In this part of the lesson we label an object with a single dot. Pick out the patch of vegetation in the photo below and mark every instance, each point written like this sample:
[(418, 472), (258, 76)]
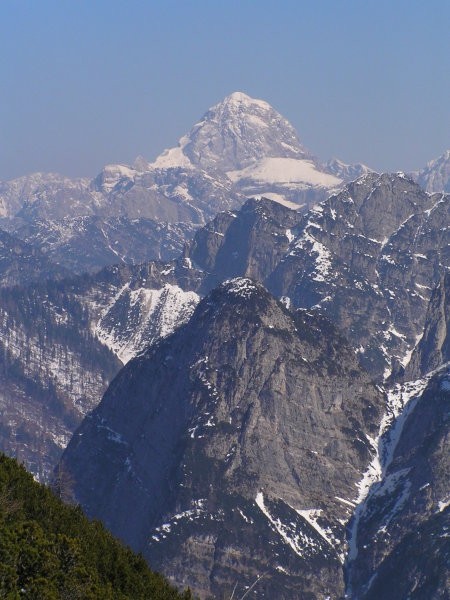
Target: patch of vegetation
[(51, 551)]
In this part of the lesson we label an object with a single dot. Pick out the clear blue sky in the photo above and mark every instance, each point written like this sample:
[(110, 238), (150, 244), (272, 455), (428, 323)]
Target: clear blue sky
[(85, 83)]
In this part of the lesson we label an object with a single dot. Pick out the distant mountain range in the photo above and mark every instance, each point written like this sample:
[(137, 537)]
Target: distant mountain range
[(241, 148), (242, 356)]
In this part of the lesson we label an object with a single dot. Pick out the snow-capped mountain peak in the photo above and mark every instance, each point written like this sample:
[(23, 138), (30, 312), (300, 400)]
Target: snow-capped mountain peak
[(245, 141), (232, 135)]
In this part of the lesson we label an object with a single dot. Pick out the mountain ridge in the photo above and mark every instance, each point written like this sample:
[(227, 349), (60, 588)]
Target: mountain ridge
[(245, 364)]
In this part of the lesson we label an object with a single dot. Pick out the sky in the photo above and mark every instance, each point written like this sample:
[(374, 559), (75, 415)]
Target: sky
[(87, 83)]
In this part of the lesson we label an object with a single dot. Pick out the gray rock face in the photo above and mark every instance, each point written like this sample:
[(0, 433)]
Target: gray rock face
[(248, 144), (433, 348), (419, 565), (355, 259), (233, 448), (368, 257), (374, 288), (238, 131), (248, 243), (401, 541), (87, 244)]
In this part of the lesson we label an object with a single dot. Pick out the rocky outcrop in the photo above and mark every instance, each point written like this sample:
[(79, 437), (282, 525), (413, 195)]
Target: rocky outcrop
[(433, 348), (250, 242), (400, 545), (368, 258), (233, 448)]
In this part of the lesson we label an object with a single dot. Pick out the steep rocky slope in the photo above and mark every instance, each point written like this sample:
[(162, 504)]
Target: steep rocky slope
[(250, 242), (433, 349), (367, 257), (233, 489), (251, 145), (419, 565), (400, 544), (246, 435), (53, 370), (62, 342)]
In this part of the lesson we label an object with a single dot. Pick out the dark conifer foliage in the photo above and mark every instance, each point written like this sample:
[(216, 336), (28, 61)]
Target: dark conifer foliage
[(51, 551)]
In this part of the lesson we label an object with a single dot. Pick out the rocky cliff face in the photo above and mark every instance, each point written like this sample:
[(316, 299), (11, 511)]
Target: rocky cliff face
[(355, 259), (234, 448), (250, 242), (433, 349), (398, 535), (236, 132), (253, 148), (368, 257), (418, 566), (400, 546)]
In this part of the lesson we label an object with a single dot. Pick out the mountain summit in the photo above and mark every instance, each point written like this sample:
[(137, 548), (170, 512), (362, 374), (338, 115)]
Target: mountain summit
[(233, 134), (241, 147), (247, 141), (210, 451)]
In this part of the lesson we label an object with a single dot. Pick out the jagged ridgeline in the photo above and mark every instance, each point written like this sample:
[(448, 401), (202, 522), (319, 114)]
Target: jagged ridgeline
[(368, 258), (50, 551)]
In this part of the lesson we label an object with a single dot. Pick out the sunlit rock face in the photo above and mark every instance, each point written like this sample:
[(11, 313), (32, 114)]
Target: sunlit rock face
[(234, 447)]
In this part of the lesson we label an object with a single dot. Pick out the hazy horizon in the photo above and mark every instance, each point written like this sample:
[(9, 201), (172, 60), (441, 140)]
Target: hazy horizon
[(87, 84)]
